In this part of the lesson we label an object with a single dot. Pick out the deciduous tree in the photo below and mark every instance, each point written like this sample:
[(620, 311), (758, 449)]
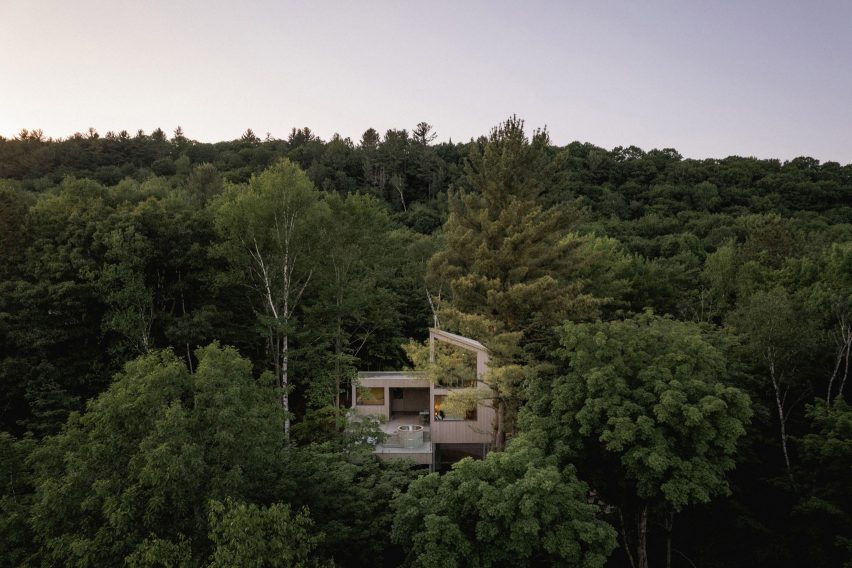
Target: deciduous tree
[(134, 473), (269, 229), (645, 408), (514, 508)]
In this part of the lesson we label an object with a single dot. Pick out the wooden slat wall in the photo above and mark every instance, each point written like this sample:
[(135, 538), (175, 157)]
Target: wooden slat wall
[(479, 431)]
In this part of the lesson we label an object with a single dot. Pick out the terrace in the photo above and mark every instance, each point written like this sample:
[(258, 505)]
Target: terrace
[(415, 443), (419, 415)]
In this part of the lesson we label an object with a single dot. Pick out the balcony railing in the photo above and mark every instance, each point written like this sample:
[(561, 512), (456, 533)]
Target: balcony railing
[(393, 440)]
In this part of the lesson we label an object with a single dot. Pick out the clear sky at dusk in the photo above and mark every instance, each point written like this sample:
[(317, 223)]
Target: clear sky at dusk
[(711, 79)]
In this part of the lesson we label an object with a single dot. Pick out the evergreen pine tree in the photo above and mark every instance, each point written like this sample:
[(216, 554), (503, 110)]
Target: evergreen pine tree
[(504, 275)]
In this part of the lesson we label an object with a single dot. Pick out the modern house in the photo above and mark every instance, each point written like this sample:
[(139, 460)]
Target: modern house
[(419, 423)]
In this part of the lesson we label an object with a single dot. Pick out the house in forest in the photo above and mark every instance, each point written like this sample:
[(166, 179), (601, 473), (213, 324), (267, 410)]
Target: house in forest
[(419, 421)]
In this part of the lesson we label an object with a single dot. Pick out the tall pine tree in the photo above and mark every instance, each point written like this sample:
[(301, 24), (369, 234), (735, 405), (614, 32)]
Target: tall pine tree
[(507, 272)]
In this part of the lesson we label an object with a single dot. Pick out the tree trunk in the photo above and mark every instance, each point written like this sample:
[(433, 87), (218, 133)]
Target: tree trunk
[(624, 540), (846, 373), (285, 384), (499, 431), (338, 347), (782, 419), (401, 198), (669, 526), (642, 538), (183, 313), (845, 342)]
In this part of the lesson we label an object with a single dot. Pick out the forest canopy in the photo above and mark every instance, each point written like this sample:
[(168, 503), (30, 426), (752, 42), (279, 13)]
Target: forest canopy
[(181, 324)]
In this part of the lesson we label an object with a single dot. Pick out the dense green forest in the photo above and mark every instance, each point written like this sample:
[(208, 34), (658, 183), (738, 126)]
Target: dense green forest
[(180, 324)]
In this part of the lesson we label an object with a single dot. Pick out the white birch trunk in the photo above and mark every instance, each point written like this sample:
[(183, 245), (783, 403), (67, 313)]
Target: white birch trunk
[(285, 384), (782, 418), (844, 341)]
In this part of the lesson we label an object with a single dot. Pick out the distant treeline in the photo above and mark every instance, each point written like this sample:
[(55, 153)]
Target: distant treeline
[(404, 168)]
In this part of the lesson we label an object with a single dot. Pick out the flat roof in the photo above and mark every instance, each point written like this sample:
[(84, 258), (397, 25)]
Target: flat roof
[(392, 375)]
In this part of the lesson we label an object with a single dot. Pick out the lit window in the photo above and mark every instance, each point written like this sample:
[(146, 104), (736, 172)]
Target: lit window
[(444, 411), (371, 396)]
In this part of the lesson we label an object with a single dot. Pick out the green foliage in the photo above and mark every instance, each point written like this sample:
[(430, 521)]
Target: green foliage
[(826, 453), (339, 429), (774, 329), (503, 268), (101, 260), (155, 551), (248, 535), (360, 285), (646, 410), (16, 538), (349, 494), (138, 467), (267, 231), (330, 264), (655, 394), (109, 274), (509, 272), (453, 366), (514, 508)]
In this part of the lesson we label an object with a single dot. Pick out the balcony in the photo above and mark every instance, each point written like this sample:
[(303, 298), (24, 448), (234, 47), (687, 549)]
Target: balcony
[(395, 444)]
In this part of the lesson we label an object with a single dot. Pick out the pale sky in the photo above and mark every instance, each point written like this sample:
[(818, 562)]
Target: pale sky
[(708, 78)]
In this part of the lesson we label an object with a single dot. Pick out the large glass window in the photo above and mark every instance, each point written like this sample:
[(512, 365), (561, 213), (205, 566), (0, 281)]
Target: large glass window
[(453, 410), (456, 367), (371, 396)]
